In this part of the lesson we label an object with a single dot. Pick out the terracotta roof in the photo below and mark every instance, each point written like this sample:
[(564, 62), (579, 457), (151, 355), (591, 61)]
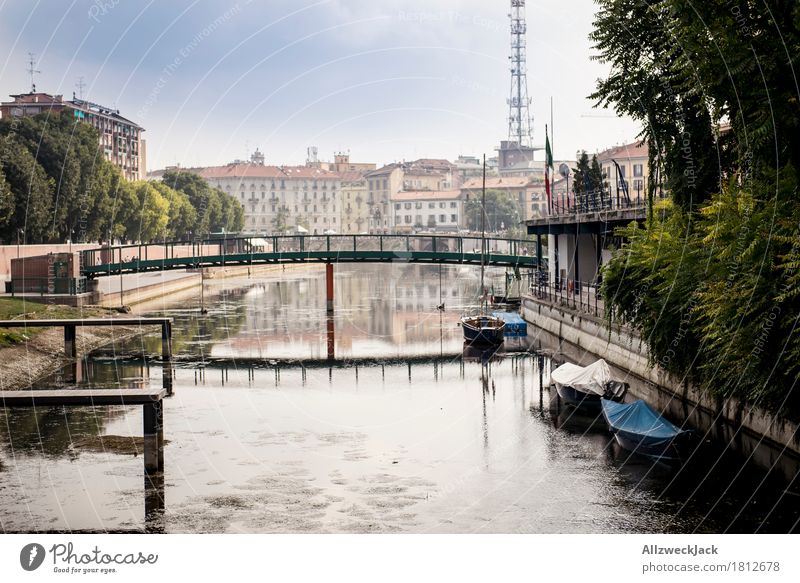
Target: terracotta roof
[(634, 150), (417, 195), (351, 176), (258, 171), (383, 171)]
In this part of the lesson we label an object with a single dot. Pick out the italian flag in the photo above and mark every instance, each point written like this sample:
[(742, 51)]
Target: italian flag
[(548, 167)]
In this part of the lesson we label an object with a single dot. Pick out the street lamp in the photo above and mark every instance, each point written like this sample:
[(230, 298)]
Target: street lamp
[(20, 232)]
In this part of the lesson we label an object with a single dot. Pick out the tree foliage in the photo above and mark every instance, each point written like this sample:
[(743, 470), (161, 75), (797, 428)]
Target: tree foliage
[(55, 184), (502, 211), (711, 281)]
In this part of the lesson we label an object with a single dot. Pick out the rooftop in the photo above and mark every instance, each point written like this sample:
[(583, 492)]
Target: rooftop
[(633, 150)]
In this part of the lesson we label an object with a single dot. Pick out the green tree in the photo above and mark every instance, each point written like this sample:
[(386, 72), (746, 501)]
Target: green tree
[(32, 192), (280, 222), (149, 221), (182, 215), (502, 211)]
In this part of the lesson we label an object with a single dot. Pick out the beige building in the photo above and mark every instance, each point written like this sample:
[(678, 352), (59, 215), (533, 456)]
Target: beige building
[(425, 174), (427, 210), (354, 207), (120, 138), (528, 194), (280, 198), (633, 168)]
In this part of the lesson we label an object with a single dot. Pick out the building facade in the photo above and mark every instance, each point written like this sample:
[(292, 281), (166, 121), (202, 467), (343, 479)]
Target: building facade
[(120, 138), (355, 210), (427, 210), (280, 199), (634, 170)]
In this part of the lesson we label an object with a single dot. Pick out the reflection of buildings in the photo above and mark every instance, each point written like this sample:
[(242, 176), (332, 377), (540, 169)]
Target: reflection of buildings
[(377, 307)]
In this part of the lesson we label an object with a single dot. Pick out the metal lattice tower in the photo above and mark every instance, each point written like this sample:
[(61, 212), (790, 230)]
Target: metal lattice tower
[(519, 118)]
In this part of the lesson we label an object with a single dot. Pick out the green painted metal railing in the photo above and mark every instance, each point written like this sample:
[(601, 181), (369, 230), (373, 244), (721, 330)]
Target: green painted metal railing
[(307, 248)]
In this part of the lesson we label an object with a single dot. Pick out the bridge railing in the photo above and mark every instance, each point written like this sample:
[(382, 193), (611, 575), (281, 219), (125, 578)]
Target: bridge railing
[(237, 248)]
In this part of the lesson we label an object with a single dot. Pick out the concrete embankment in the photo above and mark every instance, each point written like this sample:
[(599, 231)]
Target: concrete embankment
[(583, 338)]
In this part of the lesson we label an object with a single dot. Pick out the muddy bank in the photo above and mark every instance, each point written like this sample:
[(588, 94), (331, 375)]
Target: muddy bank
[(43, 354)]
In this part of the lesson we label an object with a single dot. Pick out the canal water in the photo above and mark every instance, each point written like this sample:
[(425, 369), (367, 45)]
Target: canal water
[(396, 431)]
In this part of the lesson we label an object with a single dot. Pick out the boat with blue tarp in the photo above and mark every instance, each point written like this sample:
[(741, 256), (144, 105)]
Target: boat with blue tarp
[(638, 428), (515, 326)]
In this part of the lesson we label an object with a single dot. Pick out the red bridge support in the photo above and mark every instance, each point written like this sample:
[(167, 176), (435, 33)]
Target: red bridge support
[(329, 286)]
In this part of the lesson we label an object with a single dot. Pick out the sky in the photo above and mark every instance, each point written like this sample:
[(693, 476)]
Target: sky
[(385, 81)]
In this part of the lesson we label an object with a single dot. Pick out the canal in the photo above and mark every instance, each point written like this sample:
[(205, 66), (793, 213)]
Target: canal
[(398, 432)]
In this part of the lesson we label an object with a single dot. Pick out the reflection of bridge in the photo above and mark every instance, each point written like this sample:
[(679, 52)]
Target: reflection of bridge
[(317, 249)]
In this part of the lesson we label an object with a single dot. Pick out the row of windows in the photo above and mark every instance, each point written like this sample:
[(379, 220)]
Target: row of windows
[(431, 205), (254, 220), (398, 220)]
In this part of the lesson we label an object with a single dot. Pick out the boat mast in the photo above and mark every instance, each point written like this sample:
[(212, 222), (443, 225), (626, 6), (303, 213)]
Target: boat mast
[(483, 232)]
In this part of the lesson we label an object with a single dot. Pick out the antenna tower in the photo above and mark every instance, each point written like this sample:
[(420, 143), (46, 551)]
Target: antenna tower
[(32, 70), (519, 118)]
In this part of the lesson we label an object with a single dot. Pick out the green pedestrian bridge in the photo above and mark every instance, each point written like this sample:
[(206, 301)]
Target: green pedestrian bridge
[(245, 251)]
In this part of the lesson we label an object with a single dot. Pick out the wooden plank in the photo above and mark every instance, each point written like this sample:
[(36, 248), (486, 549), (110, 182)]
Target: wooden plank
[(86, 322), (76, 397)]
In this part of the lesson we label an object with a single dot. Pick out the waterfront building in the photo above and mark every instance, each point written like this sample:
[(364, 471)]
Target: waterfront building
[(354, 207), (428, 210), (633, 172), (527, 193), (120, 139), (277, 199), (425, 174)]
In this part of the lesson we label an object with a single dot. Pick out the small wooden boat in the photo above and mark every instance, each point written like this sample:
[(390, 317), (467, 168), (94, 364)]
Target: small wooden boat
[(639, 429), (586, 385), (483, 330)]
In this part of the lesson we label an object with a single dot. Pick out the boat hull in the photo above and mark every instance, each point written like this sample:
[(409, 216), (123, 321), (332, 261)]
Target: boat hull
[(483, 330), (639, 429), (572, 396)]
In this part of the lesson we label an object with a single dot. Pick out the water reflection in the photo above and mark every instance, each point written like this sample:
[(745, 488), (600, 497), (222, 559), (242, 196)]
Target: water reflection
[(401, 431)]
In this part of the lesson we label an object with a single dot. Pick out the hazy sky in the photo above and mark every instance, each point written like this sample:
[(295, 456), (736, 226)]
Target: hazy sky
[(386, 80)]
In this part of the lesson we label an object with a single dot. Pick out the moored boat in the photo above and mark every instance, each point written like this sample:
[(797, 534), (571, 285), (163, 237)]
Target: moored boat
[(585, 385), (639, 429), (483, 329)]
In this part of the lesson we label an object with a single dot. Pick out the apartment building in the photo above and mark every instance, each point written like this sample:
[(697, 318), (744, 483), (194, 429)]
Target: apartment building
[(354, 208), (634, 170), (428, 210), (527, 193), (280, 198), (120, 138)]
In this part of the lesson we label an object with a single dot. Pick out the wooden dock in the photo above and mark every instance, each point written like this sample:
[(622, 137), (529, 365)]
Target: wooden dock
[(151, 401), (70, 331)]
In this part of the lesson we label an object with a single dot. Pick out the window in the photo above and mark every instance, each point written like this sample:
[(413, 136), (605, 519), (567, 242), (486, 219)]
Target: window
[(431, 205), (453, 218), (408, 219), (637, 186), (385, 185), (453, 205), (442, 218), (273, 208), (442, 205), (397, 219), (622, 171), (397, 206), (637, 170), (408, 206), (418, 205)]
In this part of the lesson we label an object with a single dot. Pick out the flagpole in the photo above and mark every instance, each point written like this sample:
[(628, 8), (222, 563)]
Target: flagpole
[(552, 149)]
